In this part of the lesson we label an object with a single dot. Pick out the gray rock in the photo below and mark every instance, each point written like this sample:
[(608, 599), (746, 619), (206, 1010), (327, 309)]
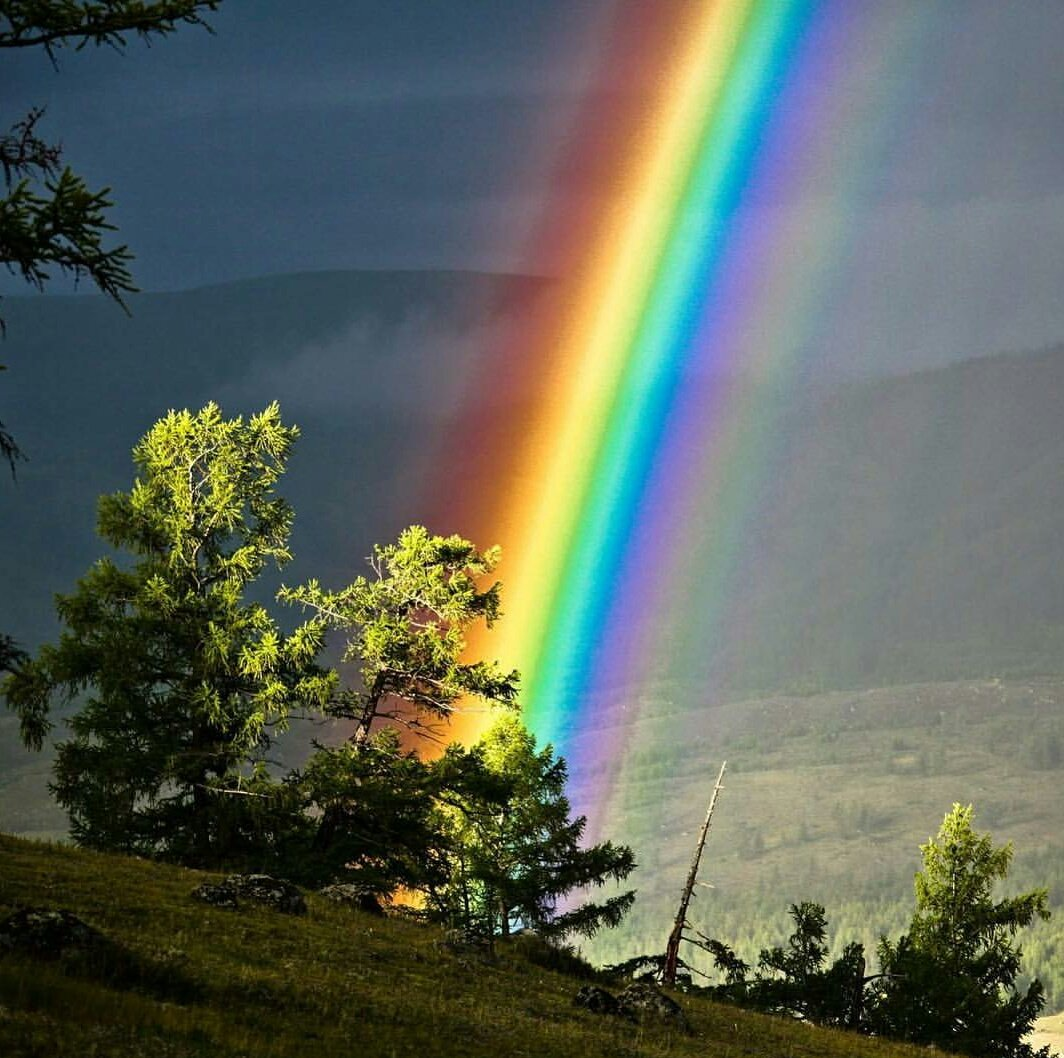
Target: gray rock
[(357, 896), (597, 1000), (261, 888), (46, 933), (275, 892), (643, 1001), (220, 895)]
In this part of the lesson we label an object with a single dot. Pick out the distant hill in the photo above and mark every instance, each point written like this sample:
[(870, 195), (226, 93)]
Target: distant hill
[(911, 531), (910, 528), (369, 364)]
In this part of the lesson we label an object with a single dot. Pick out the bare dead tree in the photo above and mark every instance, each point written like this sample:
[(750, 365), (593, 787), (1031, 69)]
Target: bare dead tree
[(672, 948)]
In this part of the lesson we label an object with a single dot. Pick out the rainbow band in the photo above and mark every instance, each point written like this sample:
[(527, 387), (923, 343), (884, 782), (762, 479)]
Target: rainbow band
[(620, 355), (628, 449)]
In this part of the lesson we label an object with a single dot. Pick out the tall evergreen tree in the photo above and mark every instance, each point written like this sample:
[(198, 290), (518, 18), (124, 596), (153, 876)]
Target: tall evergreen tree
[(186, 681), (951, 979)]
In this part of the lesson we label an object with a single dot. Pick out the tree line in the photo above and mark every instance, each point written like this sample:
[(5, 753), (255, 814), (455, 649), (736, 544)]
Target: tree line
[(183, 685), (951, 980)]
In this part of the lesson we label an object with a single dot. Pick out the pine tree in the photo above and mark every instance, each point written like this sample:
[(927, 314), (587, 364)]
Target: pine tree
[(951, 980), (186, 682), (406, 627)]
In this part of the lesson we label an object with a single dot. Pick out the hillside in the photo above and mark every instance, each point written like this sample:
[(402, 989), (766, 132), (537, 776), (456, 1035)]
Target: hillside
[(218, 983), (828, 797)]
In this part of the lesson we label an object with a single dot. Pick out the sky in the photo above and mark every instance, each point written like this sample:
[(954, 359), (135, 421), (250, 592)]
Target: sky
[(415, 134), (352, 135)]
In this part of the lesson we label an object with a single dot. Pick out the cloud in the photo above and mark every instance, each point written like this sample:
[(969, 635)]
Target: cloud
[(424, 367)]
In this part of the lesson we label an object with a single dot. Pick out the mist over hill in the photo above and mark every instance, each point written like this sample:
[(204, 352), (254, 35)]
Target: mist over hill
[(369, 364), (911, 528), (911, 531)]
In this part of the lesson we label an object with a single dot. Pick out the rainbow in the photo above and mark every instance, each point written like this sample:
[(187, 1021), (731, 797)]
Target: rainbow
[(623, 482)]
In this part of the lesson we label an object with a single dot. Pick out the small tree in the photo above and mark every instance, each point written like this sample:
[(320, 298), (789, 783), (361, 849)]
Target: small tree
[(951, 980), (516, 862), (406, 628), (186, 681), (793, 979)]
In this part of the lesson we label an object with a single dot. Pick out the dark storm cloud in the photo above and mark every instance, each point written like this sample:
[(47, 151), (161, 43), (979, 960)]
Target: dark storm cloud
[(354, 134)]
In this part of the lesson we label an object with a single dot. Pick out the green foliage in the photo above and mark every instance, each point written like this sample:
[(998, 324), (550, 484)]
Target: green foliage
[(406, 629), (513, 864), (951, 979), (378, 807), (793, 979), (187, 683), (50, 219)]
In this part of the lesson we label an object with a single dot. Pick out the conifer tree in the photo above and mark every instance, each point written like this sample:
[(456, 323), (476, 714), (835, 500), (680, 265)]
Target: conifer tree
[(951, 979), (185, 682), (406, 628)]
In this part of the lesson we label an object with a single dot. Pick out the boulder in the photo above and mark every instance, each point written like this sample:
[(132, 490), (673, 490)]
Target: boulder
[(643, 1001), (46, 933), (597, 1000), (357, 896), (263, 889), (465, 942), (220, 895)]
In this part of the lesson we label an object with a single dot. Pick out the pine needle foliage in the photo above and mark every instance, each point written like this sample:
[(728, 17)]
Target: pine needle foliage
[(516, 863), (186, 683), (406, 628), (951, 979)]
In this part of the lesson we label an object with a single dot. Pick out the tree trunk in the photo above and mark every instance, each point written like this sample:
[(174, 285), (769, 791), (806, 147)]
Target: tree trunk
[(672, 948)]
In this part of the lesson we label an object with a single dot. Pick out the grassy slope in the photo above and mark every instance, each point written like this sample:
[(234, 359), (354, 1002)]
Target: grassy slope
[(335, 982)]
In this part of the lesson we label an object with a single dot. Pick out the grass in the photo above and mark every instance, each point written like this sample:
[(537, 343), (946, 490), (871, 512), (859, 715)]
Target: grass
[(335, 982), (827, 798)]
